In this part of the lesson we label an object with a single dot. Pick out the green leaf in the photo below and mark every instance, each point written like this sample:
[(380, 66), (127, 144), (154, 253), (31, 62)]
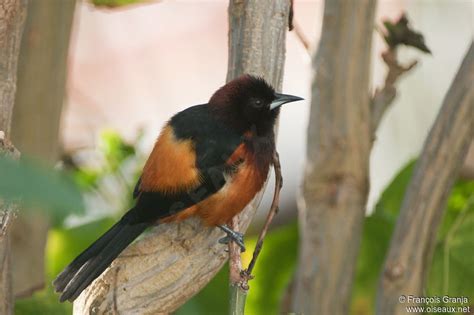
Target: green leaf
[(451, 268), (376, 236), (63, 246), (274, 270), (213, 299), (453, 262), (38, 187), (115, 149), (269, 284), (115, 3)]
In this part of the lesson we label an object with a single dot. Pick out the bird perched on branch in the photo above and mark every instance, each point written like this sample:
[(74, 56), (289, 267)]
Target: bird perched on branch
[(209, 161)]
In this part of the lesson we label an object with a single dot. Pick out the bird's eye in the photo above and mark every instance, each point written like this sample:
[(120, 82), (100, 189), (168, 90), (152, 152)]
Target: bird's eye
[(258, 103)]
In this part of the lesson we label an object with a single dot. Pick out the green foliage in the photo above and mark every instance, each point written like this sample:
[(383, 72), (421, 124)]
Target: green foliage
[(213, 299), (111, 181), (64, 244), (115, 150), (452, 261), (273, 271), (114, 3), (38, 187), (376, 235), (43, 302), (452, 269)]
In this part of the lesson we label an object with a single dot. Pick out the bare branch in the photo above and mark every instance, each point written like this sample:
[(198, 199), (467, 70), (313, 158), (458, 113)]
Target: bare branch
[(273, 210), (35, 126), (12, 17), (238, 286), (301, 36), (413, 241), (398, 33), (384, 97), (335, 185)]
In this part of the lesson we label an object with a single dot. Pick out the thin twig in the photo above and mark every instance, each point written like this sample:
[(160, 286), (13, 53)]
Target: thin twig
[(396, 34), (291, 15), (273, 210), (383, 97), (302, 37), (239, 278), (238, 285)]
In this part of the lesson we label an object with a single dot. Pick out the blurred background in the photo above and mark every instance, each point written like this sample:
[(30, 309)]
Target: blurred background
[(129, 68)]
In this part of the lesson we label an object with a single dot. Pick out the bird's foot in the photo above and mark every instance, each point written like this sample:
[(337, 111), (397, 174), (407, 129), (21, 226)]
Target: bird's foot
[(232, 235)]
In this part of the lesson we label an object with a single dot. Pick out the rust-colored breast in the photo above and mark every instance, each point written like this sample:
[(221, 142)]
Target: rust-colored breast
[(171, 166), (241, 187), (237, 193)]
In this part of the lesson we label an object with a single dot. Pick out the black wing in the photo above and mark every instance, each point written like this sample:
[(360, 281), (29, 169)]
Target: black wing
[(214, 143)]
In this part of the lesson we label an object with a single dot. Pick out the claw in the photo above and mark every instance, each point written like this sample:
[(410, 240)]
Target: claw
[(232, 235)]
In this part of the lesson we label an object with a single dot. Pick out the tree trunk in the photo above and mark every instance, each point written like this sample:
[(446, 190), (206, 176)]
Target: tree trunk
[(336, 181), (414, 238), (36, 118), (163, 270), (12, 17)]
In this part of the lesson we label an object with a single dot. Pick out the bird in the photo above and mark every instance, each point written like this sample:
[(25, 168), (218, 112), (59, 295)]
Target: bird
[(209, 161)]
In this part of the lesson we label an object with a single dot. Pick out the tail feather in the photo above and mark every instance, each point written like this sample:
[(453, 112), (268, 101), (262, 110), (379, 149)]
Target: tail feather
[(95, 259), (68, 273)]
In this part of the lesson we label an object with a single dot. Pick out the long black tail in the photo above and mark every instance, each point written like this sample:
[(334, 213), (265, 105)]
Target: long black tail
[(96, 258)]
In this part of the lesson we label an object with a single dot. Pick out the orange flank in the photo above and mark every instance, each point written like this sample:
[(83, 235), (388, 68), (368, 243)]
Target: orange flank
[(236, 194), (171, 166), (240, 188)]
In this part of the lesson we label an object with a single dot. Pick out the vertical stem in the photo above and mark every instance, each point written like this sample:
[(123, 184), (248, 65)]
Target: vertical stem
[(238, 289), (12, 17), (238, 297), (257, 34), (336, 179)]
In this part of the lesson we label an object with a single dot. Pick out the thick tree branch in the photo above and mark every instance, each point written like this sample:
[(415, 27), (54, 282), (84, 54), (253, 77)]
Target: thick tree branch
[(413, 241), (163, 270), (35, 127), (336, 179), (342, 122), (12, 17)]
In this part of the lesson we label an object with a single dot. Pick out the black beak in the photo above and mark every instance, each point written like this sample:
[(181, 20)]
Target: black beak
[(281, 99)]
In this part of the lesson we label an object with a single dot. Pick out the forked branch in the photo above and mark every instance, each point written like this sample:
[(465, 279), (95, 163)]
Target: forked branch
[(395, 35)]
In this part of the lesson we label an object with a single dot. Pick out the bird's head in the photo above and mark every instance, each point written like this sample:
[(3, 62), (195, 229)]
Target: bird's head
[(249, 102)]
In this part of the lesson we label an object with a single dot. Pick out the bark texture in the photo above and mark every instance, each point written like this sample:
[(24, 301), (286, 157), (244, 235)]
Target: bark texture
[(163, 270), (414, 239), (36, 118), (336, 181), (12, 16)]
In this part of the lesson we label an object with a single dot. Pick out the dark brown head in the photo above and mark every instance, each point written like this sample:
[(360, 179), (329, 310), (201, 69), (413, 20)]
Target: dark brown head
[(249, 103)]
